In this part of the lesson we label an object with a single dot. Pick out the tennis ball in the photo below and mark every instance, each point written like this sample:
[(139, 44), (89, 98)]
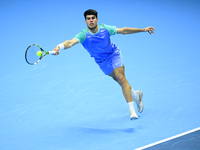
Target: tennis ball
[(39, 53)]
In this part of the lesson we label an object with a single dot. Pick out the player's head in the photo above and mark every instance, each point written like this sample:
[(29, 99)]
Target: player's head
[(91, 19), (90, 12)]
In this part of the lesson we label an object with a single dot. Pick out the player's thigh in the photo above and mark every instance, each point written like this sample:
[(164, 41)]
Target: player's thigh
[(117, 73)]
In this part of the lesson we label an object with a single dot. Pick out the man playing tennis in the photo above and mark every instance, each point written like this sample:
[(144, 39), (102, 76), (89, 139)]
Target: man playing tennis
[(96, 40)]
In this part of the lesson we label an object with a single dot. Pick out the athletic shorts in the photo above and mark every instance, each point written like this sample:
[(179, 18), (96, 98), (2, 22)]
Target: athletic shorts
[(112, 62)]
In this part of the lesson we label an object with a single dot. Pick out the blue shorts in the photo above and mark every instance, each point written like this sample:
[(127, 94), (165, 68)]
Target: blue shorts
[(112, 62)]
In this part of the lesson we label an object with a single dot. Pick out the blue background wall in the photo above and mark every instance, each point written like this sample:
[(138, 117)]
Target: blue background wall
[(66, 103)]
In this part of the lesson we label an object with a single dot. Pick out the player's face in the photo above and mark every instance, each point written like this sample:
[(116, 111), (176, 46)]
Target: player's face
[(91, 22)]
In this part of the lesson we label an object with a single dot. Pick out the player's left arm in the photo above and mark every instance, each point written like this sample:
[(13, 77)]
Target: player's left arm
[(127, 30)]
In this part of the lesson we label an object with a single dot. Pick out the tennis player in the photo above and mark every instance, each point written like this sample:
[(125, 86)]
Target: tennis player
[(96, 40)]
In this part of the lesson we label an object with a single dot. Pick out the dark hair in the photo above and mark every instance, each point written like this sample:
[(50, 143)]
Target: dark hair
[(90, 12)]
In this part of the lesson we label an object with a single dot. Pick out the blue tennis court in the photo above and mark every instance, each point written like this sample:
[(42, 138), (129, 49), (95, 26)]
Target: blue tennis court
[(65, 102)]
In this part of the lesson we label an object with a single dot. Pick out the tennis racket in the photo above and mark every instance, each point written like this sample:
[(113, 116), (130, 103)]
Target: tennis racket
[(34, 53)]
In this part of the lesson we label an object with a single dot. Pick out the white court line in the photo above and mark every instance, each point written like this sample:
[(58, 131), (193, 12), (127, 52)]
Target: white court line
[(173, 137)]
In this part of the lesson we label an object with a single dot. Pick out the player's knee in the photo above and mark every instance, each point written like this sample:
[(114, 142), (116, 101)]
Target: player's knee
[(122, 80)]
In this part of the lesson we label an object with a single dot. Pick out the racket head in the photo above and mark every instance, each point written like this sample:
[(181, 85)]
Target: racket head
[(31, 56)]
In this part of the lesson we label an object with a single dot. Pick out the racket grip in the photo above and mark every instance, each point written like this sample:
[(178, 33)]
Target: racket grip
[(52, 52)]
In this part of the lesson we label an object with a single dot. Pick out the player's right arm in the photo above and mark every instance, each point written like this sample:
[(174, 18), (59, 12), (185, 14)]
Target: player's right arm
[(67, 44)]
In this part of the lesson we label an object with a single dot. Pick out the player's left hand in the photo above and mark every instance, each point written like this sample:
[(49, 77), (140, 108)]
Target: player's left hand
[(149, 29)]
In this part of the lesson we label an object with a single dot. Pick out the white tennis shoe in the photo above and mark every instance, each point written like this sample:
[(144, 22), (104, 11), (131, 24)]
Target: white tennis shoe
[(133, 115), (138, 100)]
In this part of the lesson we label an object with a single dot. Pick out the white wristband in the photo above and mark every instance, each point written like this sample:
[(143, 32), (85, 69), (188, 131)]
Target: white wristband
[(61, 46)]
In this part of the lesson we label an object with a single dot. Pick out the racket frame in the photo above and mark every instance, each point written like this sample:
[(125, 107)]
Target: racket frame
[(43, 51)]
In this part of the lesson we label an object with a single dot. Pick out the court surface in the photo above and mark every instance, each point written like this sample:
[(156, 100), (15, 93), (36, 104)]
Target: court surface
[(66, 103)]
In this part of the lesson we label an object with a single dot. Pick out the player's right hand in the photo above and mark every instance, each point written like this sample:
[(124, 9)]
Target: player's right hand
[(56, 49)]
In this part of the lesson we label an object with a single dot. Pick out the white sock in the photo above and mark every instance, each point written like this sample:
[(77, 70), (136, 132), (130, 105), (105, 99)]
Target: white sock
[(131, 106)]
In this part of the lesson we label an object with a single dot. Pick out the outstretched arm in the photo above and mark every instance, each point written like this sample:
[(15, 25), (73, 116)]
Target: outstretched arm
[(65, 45), (127, 30)]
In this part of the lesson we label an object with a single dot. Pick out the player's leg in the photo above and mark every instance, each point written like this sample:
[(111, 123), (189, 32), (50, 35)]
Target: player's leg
[(119, 76), (115, 65)]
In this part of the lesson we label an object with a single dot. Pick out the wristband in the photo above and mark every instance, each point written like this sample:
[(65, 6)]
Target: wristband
[(61, 46)]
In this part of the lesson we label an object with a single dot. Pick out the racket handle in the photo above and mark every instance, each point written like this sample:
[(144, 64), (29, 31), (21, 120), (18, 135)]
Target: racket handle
[(52, 52)]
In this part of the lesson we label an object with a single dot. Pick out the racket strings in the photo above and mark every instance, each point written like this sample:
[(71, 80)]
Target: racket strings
[(31, 54)]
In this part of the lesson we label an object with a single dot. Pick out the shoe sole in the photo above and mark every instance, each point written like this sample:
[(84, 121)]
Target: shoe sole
[(134, 118)]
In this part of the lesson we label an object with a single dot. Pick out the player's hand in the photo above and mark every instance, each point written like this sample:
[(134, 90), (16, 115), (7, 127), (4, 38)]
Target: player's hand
[(56, 49), (149, 29)]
